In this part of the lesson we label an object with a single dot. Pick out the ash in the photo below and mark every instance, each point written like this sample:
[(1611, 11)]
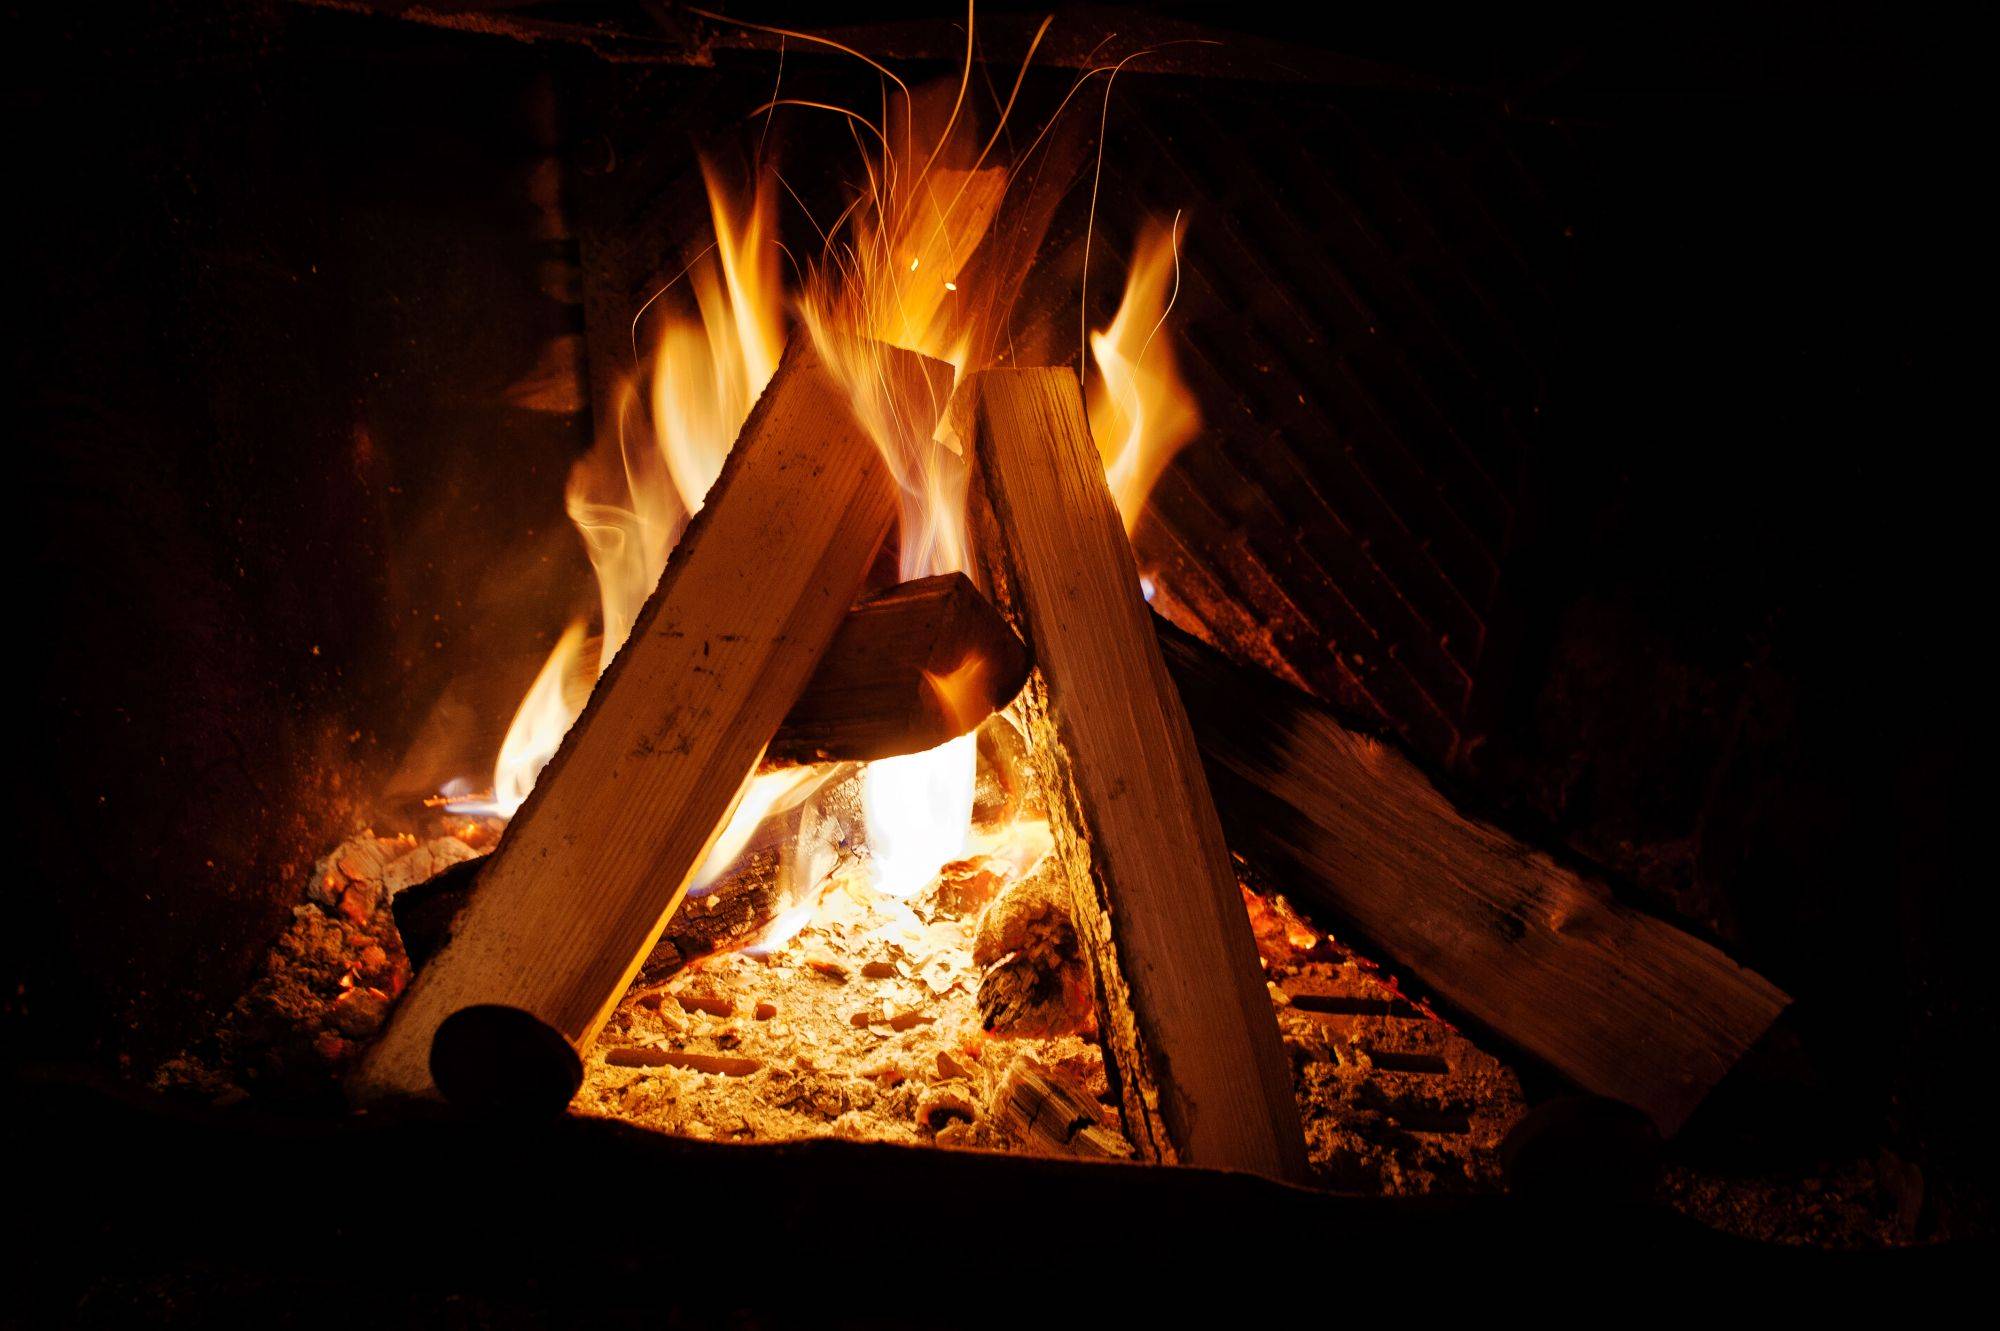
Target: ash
[(960, 1017), (867, 1024)]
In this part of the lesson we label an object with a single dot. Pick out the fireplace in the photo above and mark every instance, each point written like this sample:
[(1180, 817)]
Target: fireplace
[(1124, 618)]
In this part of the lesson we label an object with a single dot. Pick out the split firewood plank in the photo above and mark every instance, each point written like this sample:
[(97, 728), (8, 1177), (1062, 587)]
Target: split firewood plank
[(591, 867), (1622, 1003), (1182, 1008), (912, 666)]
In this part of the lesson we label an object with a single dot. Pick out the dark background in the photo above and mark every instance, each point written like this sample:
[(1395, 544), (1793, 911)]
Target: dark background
[(1635, 349)]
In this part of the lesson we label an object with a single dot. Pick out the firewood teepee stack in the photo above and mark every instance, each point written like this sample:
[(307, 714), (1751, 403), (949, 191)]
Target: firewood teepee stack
[(756, 594), (752, 649)]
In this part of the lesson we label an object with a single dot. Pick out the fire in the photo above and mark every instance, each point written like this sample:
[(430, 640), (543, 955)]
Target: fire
[(894, 271), (958, 689), (1141, 413), (632, 495), (539, 724), (919, 812)]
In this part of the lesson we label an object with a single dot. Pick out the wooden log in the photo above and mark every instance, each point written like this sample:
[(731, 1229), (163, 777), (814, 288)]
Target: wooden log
[(913, 666), (600, 855), (1182, 1007), (1622, 1003), (1040, 1109)]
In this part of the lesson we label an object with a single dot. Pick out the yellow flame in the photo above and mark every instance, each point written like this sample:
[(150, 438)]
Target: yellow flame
[(539, 724), (961, 691), (894, 280), (893, 274), (919, 813), (633, 494), (1141, 413), (763, 794)]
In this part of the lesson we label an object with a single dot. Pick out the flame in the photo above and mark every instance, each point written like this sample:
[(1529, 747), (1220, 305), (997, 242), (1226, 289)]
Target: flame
[(962, 691), (539, 724), (632, 495), (763, 794), (1141, 412), (919, 813), (893, 280), (894, 272)]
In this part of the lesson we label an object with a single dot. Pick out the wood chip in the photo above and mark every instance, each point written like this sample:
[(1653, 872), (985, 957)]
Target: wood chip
[(723, 1064), (1043, 1109), (713, 1004)]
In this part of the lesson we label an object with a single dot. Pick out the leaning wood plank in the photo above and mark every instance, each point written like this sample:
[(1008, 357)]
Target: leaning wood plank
[(598, 858), (911, 667), (1620, 1002), (1181, 1003)]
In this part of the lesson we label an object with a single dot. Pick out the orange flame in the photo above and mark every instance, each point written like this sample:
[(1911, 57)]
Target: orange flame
[(892, 273), (961, 691), (1141, 413), (633, 494)]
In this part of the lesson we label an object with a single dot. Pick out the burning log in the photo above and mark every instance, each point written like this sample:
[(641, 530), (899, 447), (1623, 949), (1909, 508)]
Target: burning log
[(911, 667), (1182, 1009), (875, 693), (601, 854), (736, 906), (1623, 1004), (425, 912)]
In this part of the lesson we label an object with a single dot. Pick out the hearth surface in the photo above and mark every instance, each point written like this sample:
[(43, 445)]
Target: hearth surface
[(865, 1025), (1396, 1102)]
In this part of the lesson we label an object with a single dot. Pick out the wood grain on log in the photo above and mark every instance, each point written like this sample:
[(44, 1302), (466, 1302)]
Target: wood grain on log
[(1622, 1003), (1039, 1108), (911, 667), (600, 855), (1182, 1006)]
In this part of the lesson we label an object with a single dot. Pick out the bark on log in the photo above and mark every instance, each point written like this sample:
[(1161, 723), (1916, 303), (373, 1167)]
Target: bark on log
[(1622, 1003), (600, 855), (1182, 1007)]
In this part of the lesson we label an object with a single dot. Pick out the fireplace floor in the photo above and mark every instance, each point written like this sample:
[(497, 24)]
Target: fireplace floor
[(865, 1024), (1395, 1101)]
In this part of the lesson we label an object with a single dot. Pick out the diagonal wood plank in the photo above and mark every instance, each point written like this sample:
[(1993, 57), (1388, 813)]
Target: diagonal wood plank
[(1186, 1020)]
